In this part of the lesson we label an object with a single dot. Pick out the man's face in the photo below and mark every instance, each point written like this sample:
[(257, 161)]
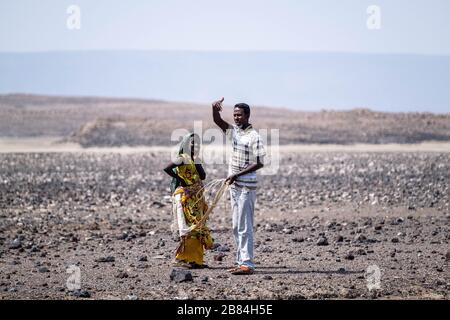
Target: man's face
[(240, 118)]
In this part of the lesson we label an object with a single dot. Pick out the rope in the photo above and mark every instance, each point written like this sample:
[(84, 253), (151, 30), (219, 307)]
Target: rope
[(220, 192)]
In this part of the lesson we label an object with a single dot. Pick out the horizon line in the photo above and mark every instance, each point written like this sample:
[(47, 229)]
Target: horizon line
[(206, 104), (222, 51)]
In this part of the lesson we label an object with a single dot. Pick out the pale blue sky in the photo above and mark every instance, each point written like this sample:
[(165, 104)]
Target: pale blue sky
[(408, 26)]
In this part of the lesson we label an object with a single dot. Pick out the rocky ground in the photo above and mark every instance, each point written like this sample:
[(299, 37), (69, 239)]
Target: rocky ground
[(320, 224)]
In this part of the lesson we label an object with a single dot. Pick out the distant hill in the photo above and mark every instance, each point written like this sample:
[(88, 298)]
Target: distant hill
[(304, 81), (93, 121)]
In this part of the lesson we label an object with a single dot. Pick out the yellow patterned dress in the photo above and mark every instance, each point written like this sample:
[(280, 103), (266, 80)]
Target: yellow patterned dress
[(192, 245)]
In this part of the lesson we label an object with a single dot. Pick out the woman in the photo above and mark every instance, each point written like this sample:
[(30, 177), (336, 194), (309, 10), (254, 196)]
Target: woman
[(189, 203)]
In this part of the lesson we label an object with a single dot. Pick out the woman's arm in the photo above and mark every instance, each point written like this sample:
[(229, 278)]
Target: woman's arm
[(201, 171), (169, 170)]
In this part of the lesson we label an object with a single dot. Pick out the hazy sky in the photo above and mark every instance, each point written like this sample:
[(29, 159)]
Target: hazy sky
[(407, 26)]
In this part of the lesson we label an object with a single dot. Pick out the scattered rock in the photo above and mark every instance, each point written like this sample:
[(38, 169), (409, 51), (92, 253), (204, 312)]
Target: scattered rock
[(342, 270), (349, 256), (180, 275), (219, 256), (157, 204), (222, 248), (15, 244), (161, 243), (360, 238), (43, 270), (267, 249), (122, 275), (81, 294), (106, 259), (322, 241)]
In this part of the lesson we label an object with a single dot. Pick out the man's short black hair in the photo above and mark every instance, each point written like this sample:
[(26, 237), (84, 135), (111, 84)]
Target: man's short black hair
[(244, 107)]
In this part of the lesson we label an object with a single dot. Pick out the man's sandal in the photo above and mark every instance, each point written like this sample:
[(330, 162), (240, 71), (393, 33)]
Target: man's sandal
[(243, 270)]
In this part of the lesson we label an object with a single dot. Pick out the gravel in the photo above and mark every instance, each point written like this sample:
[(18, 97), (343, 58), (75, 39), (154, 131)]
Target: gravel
[(97, 211)]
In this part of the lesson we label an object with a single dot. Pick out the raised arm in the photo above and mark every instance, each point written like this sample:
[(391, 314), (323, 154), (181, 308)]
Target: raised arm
[(216, 108)]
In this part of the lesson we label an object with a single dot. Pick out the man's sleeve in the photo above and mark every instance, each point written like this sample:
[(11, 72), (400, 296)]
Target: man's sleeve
[(258, 147)]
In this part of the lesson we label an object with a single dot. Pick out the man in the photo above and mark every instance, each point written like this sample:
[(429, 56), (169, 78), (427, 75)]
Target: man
[(247, 157)]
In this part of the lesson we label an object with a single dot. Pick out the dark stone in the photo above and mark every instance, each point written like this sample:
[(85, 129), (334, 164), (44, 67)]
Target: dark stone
[(342, 270), (81, 294), (349, 256), (43, 270), (15, 244), (222, 248), (106, 259), (322, 241), (123, 236), (219, 256), (122, 275), (157, 204), (360, 238), (180, 275)]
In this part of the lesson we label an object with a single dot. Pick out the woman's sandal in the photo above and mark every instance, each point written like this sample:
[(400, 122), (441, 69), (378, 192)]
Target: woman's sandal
[(182, 264), (198, 266)]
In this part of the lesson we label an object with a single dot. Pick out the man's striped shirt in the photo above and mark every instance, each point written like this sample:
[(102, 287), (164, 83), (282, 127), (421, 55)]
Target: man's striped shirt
[(247, 145)]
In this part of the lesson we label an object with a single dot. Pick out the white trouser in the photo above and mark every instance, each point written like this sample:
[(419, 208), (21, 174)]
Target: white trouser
[(243, 205)]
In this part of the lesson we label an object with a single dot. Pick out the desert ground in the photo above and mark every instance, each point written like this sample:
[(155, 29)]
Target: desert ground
[(330, 215)]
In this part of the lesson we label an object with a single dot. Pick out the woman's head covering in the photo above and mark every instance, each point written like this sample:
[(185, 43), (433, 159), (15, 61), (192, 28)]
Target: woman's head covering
[(184, 148)]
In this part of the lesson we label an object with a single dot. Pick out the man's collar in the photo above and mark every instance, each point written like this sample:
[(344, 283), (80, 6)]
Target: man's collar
[(247, 128)]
